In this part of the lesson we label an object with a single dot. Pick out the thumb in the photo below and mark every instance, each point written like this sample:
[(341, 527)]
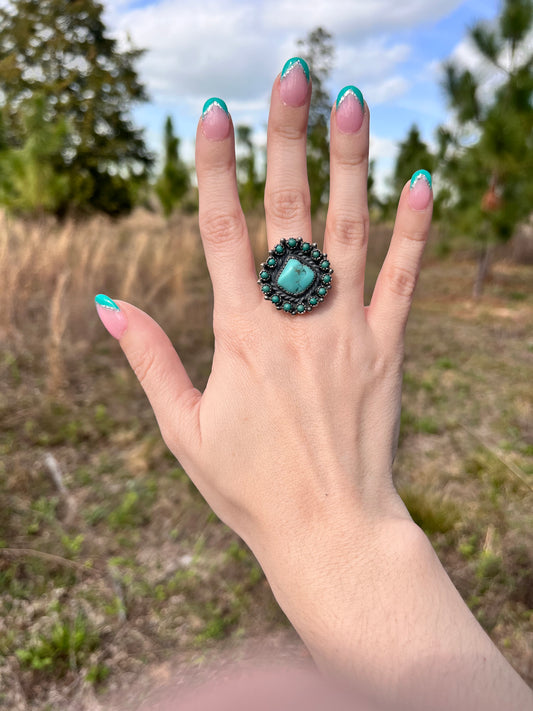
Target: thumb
[(157, 366)]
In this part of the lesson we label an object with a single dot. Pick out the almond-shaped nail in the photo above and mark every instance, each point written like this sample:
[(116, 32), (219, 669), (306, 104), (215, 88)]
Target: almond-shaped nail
[(420, 190), (110, 315), (350, 109), (294, 82), (215, 120)]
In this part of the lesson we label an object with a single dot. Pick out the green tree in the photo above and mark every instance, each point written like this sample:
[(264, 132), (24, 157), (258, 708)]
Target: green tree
[(251, 187), (488, 157), (318, 51), (59, 51), (413, 154), (173, 183)]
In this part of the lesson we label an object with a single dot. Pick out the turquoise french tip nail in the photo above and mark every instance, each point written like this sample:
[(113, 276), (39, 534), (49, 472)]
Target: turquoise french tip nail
[(421, 174), (350, 90), (106, 302), (289, 64), (215, 101)]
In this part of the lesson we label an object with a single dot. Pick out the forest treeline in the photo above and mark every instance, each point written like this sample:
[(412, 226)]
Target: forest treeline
[(69, 146)]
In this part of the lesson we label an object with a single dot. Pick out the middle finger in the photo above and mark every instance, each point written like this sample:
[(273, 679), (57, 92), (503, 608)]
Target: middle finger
[(287, 200)]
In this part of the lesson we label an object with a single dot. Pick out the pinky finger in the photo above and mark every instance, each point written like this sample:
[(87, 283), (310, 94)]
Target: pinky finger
[(393, 293)]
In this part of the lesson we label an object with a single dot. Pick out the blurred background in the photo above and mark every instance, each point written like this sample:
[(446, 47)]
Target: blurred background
[(112, 568)]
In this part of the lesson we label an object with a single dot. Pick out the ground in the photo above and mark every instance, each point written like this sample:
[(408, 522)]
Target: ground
[(114, 570)]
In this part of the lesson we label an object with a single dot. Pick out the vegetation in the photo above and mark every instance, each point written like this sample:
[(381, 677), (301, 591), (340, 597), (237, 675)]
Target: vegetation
[(173, 183), (487, 159), (60, 71)]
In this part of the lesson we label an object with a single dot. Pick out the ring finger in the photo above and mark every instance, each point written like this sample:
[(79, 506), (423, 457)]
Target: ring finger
[(287, 200)]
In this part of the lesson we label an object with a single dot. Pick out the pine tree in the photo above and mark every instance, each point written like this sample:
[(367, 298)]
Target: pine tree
[(173, 182), (251, 187), (59, 51), (413, 154), (318, 51), (488, 158)]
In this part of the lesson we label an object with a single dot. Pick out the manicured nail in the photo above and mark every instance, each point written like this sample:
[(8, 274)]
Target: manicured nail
[(350, 109), (420, 190), (215, 120), (110, 315), (294, 82)]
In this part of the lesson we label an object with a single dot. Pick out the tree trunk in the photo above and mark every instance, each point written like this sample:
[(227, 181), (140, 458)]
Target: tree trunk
[(482, 271)]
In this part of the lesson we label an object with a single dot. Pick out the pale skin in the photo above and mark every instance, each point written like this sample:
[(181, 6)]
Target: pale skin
[(293, 440)]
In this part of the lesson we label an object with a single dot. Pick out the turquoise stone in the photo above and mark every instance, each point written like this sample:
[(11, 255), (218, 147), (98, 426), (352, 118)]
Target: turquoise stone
[(265, 289), (306, 247), (322, 291), (300, 308), (326, 279), (286, 306), (325, 264), (279, 249), (271, 262), (265, 275), (295, 277), (292, 242), (275, 299), (315, 254), (313, 301)]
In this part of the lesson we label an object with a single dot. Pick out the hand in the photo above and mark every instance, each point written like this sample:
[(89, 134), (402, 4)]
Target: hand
[(298, 410)]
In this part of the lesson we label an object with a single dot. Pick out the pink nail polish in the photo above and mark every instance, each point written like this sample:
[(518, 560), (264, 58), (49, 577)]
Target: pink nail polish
[(294, 82), (349, 110), (215, 120), (111, 315), (420, 190)]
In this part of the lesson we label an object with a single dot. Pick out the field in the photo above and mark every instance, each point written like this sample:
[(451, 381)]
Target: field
[(111, 565)]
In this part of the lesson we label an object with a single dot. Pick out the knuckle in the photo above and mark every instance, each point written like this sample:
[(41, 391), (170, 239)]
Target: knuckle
[(416, 235), (219, 228), (352, 160), (349, 231), (287, 204), (401, 280), (288, 132), (143, 364)]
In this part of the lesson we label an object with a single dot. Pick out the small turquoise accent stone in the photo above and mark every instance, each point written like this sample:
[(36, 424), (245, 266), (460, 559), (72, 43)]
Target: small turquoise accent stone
[(295, 277), (286, 306), (300, 308), (275, 299), (271, 262), (306, 247), (315, 254), (264, 275), (279, 248), (322, 291), (326, 279), (292, 242), (265, 288), (325, 264), (313, 301)]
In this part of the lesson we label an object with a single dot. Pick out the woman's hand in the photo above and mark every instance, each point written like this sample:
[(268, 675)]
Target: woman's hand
[(300, 413)]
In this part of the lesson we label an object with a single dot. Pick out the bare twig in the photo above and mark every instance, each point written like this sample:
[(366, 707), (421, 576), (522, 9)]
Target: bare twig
[(510, 466), (52, 465)]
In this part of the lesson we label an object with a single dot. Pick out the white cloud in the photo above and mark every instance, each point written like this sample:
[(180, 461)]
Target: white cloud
[(387, 90)]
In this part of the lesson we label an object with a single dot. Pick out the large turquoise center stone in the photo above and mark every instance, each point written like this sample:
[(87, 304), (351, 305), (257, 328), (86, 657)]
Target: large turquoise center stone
[(295, 277)]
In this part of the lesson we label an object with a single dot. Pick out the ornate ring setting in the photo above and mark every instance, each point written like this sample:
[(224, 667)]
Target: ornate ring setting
[(296, 276)]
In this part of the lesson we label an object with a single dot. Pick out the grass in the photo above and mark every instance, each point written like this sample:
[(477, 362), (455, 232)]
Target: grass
[(125, 566)]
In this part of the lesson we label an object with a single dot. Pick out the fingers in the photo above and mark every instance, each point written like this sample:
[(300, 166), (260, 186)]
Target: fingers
[(222, 225), (158, 368), (393, 293), (347, 221), (287, 200)]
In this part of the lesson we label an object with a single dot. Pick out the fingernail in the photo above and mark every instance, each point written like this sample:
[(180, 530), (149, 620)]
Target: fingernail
[(420, 190), (350, 109), (294, 82), (110, 315), (215, 120)]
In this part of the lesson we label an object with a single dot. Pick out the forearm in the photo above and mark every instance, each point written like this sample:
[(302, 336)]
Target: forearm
[(375, 606)]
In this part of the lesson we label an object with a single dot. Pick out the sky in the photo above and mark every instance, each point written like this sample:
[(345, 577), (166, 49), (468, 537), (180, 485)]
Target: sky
[(393, 50)]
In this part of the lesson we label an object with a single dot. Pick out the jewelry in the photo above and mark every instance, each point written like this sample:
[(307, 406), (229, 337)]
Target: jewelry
[(296, 277)]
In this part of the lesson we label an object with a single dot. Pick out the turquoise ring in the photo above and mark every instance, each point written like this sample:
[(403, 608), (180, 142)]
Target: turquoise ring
[(296, 276)]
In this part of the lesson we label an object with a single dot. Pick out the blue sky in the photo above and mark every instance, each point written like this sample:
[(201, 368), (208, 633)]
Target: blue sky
[(391, 49)]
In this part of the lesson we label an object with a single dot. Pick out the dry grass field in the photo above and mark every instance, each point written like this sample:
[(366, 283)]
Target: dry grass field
[(111, 565)]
